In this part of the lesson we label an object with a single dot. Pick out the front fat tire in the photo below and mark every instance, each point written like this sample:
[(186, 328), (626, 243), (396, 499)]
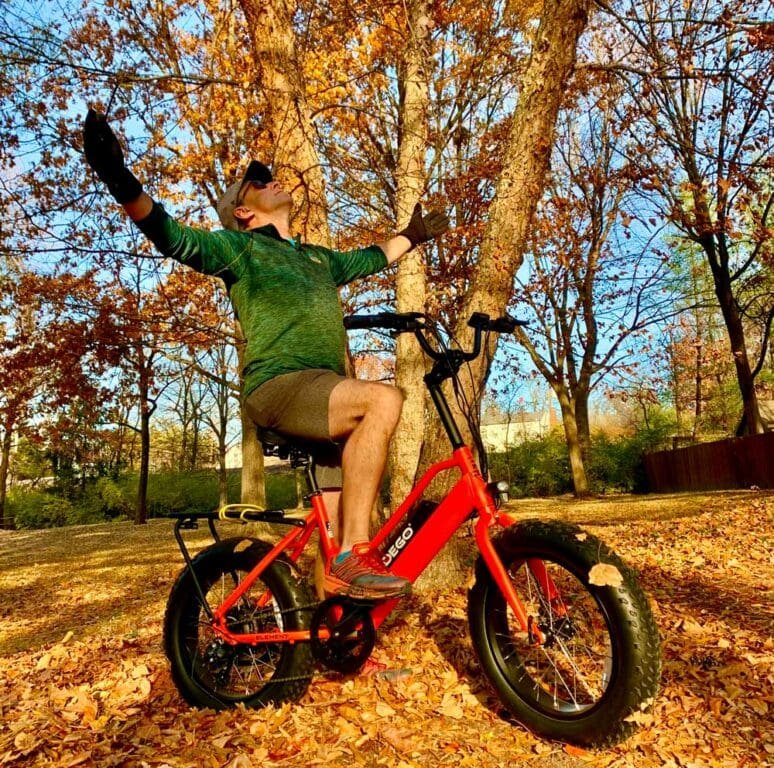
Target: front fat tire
[(271, 674), (632, 674)]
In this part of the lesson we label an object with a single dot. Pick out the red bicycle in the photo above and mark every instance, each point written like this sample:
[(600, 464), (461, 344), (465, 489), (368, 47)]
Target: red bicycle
[(570, 658)]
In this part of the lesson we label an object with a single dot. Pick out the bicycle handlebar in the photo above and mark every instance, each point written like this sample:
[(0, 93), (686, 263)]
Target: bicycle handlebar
[(413, 322)]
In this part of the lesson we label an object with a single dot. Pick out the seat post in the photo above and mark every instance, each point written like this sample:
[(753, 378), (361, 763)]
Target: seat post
[(310, 478)]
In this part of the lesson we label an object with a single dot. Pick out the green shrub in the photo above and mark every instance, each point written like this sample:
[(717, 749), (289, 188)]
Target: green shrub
[(108, 499), (198, 491), (538, 467), (609, 464), (38, 509), (281, 490), (541, 467), (619, 464), (105, 499)]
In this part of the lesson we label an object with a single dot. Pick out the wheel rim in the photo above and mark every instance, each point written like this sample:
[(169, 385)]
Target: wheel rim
[(235, 672), (572, 669)]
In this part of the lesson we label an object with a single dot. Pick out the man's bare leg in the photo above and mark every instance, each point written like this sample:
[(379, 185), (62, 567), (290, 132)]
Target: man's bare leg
[(332, 501), (365, 415)]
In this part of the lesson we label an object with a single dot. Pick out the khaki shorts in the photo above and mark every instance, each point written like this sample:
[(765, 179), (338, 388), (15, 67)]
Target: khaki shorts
[(296, 405)]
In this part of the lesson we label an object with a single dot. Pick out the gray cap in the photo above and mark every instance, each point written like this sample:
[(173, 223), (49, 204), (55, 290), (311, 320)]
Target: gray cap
[(256, 171)]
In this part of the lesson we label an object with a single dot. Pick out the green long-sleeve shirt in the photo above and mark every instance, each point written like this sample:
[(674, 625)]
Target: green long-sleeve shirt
[(284, 294)]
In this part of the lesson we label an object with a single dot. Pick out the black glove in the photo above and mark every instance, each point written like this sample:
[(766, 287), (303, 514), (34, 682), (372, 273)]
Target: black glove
[(423, 228), (104, 155)]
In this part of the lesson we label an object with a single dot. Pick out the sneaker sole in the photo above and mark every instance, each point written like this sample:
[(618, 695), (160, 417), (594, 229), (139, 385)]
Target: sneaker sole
[(337, 587)]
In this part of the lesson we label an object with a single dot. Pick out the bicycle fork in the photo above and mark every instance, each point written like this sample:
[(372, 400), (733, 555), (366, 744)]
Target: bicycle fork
[(503, 580)]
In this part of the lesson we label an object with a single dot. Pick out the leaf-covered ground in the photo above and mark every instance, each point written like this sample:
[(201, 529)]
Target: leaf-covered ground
[(83, 680)]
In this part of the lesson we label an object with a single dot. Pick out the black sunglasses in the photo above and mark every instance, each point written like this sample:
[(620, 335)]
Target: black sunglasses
[(249, 183)]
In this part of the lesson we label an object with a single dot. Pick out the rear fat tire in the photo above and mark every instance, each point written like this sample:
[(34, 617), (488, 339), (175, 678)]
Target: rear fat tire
[(596, 716), (244, 675)]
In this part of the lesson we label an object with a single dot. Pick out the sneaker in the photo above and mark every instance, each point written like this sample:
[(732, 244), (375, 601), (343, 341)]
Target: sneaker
[(359, 573)]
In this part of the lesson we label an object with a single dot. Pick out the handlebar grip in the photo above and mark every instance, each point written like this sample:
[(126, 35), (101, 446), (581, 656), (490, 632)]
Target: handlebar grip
[(504, 324), (479, 320), (397, 321), (356, 322)]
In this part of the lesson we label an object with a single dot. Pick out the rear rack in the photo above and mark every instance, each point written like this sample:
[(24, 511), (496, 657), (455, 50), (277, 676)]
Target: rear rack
[(238, 513), (244, 513)]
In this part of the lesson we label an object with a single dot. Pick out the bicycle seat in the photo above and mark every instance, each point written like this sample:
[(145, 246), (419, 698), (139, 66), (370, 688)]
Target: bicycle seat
[(284, 446)]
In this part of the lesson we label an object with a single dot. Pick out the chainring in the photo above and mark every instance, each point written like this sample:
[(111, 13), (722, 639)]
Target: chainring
[(342, 633)]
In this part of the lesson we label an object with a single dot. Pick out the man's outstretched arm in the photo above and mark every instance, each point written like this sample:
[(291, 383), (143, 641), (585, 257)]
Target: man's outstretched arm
[(199, 249)]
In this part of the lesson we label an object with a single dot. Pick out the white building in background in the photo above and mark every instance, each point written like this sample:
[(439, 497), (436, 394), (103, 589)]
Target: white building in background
[(500, 432), (234, 458)]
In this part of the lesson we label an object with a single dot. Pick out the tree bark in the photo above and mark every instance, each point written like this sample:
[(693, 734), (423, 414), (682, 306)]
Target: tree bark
[(253, 490), (280, 78), (753, 425), (6, 517), (517, 194), (574, 441), (295, 161), (411, 283), (141, 508), (582, 424)]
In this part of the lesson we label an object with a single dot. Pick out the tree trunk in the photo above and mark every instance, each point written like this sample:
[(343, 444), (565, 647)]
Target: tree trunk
[(518, 191), (753, 425), (6, 516), (697, 394), (222, 473), (253, 487), (295, 157), (583, 426), (141, 509), (253, 490), (295, 160), (574, 443), (411, 283), (519, 187), (716, 250), (195, 426), (182, 461)]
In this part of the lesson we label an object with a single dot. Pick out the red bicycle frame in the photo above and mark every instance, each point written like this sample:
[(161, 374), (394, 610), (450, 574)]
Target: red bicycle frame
[(468, 495)]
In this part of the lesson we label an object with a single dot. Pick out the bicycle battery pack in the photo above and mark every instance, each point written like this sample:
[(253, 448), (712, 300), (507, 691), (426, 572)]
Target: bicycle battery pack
[(414, 519)]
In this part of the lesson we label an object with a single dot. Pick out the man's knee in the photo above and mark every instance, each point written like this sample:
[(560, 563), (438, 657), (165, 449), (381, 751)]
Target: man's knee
[(353, 400), (389, 402)]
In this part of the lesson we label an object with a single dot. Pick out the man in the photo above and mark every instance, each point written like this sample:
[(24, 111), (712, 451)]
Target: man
[(285, 295)]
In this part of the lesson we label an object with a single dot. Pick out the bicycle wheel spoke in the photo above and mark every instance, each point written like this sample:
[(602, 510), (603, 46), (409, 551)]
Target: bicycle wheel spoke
[(570, 668), (237, 670)]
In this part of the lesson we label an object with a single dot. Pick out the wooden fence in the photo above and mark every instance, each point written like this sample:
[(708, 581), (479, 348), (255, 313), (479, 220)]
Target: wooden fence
[(739, 462)]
